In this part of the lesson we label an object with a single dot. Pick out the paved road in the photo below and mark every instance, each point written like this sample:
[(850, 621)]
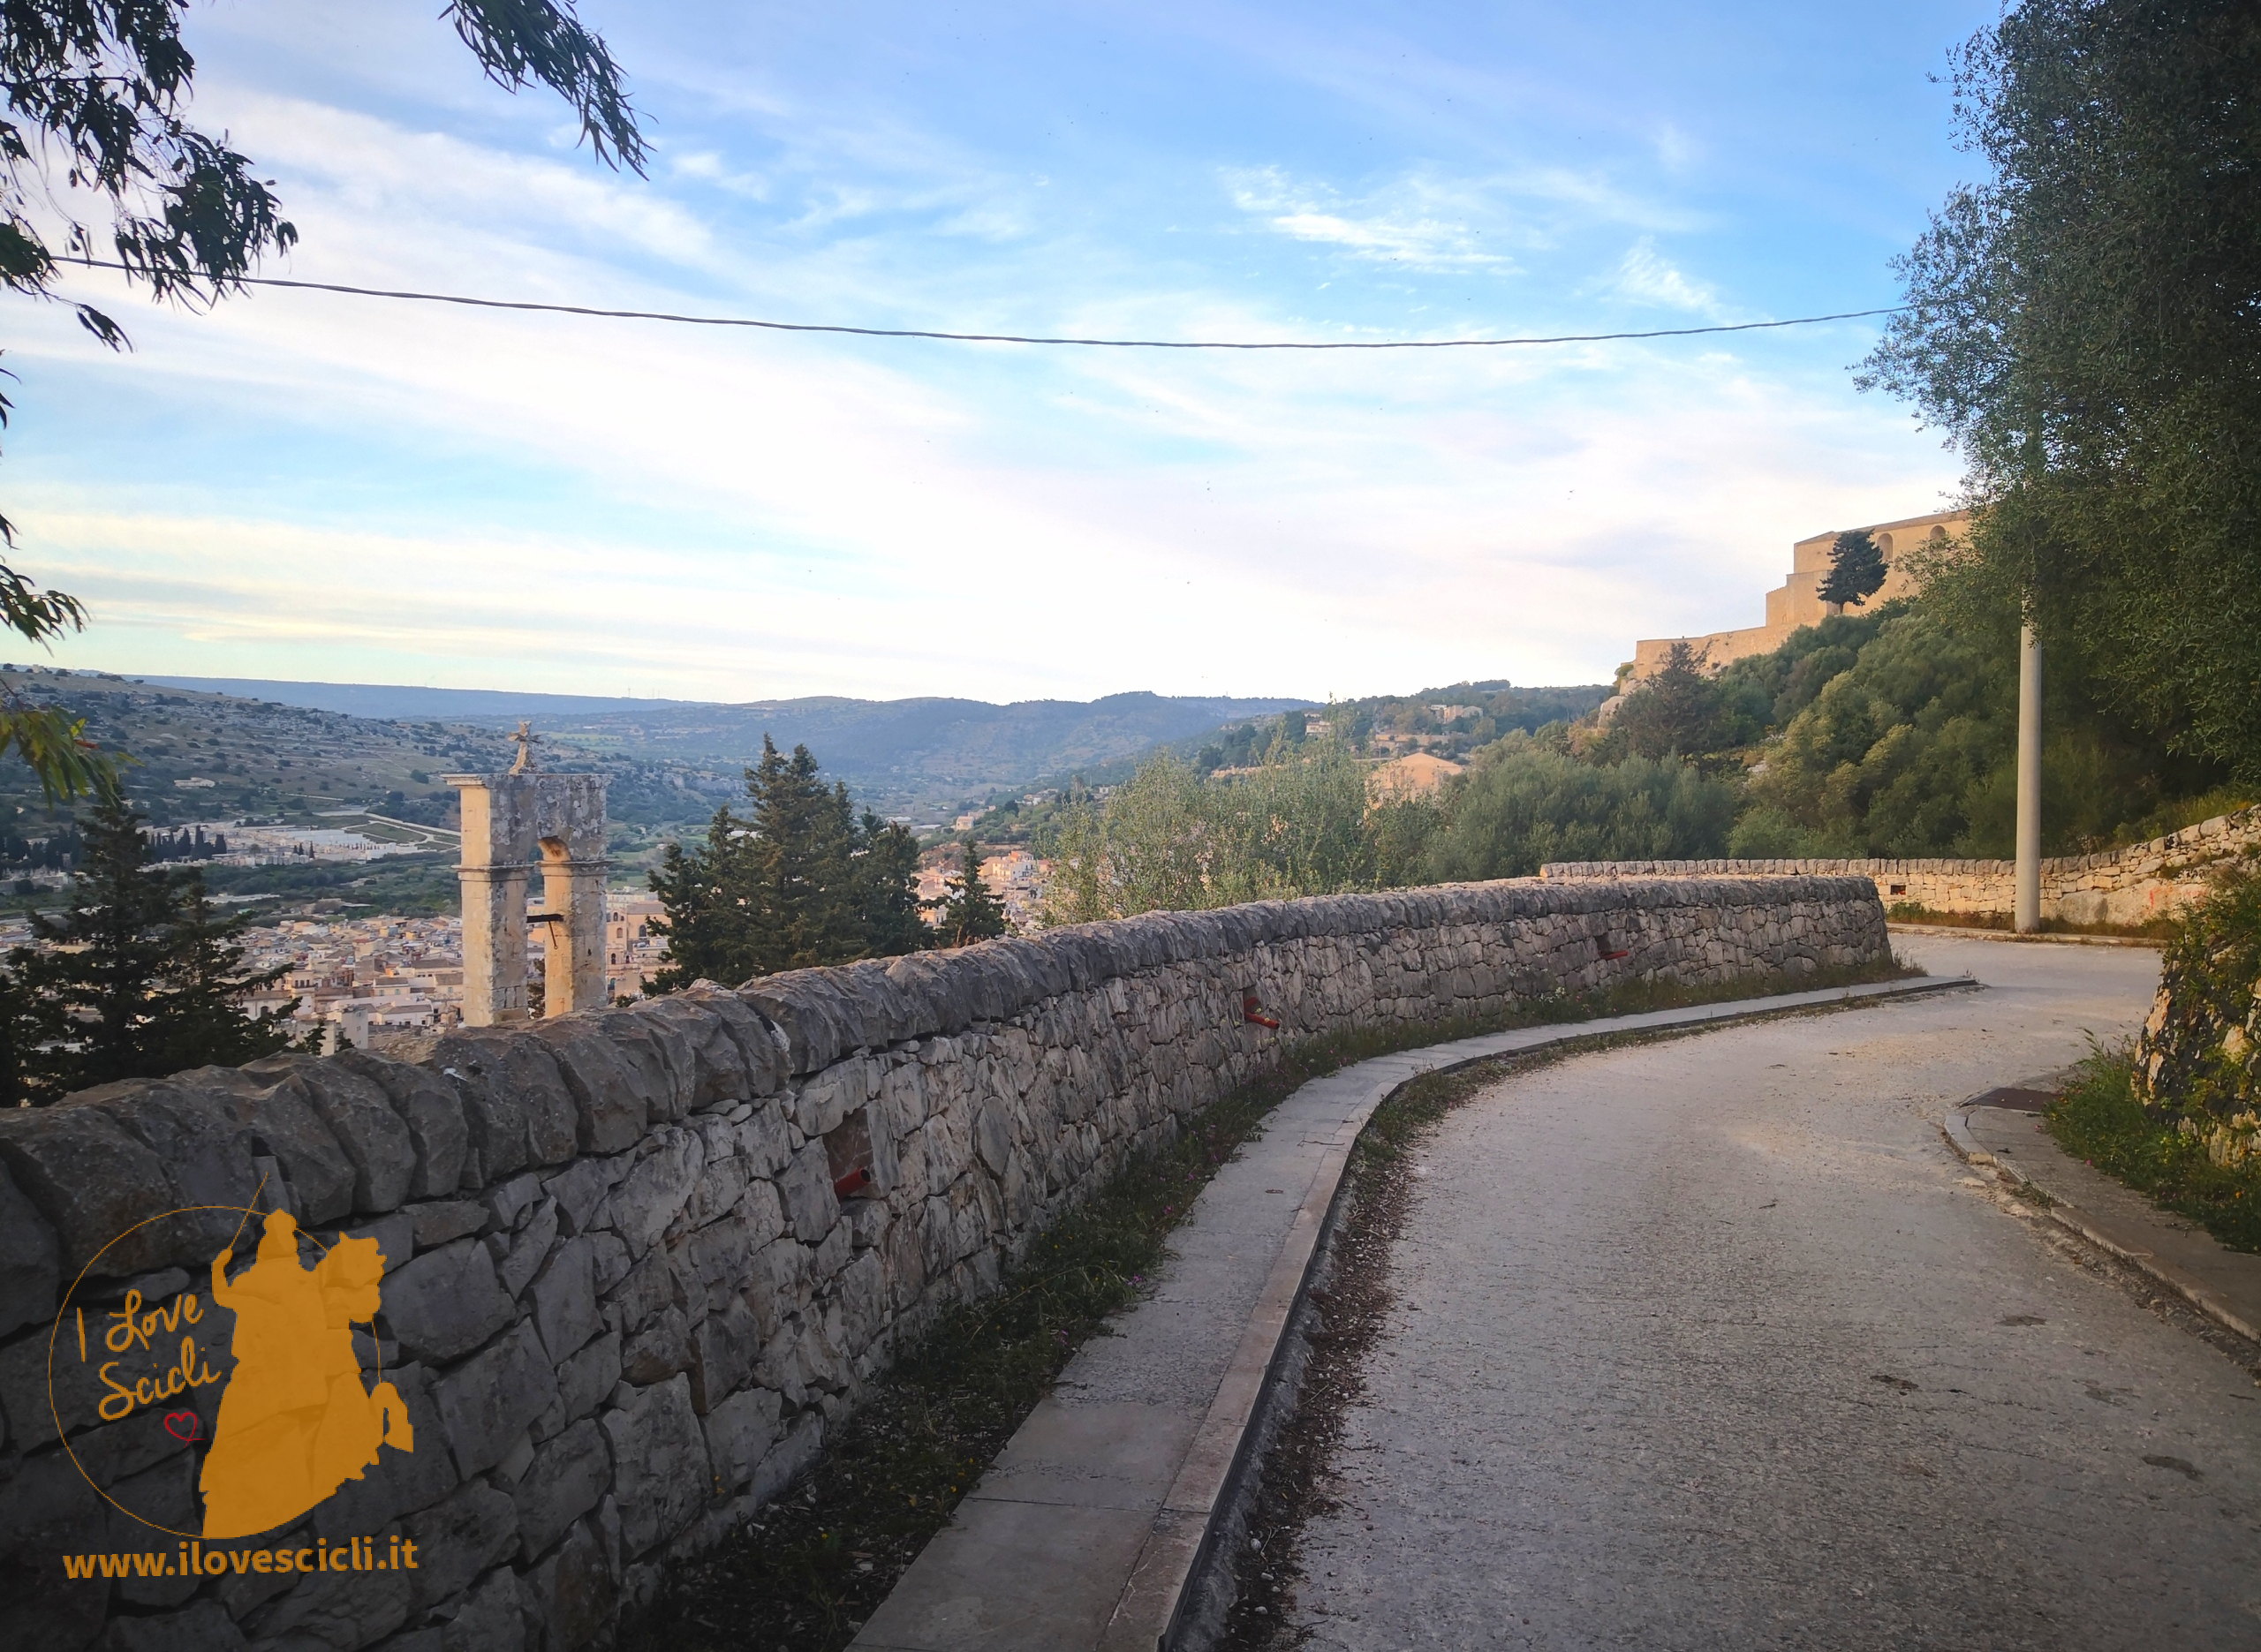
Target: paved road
[(1712, 1342)]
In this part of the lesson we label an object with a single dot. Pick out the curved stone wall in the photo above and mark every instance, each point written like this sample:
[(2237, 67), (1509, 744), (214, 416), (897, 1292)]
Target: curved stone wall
[(635, 1260), (2131, 885)]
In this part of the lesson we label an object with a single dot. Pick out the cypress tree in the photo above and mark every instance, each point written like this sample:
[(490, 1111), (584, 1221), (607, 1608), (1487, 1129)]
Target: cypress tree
[(1856, 570), (970, 912)]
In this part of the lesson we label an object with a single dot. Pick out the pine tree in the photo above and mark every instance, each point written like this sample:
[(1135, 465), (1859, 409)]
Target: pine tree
[(199, 1019), (702, 892), (801, 881), (969, 911), (153, 984), (1856, 570), (885, 877), (98, 1005)]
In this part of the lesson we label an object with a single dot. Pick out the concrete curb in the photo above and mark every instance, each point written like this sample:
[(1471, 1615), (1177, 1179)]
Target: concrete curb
[(2126, 1246), (1149, 1614), (1965, 931)]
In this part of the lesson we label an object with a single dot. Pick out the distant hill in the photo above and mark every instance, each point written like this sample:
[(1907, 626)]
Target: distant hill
[(919, 756)]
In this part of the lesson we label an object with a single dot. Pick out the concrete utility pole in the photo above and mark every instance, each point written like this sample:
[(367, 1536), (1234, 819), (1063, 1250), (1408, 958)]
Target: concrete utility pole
[(2028, 917)]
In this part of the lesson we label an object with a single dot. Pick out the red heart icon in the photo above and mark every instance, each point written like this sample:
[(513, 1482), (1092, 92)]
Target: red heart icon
[(184, 1425)]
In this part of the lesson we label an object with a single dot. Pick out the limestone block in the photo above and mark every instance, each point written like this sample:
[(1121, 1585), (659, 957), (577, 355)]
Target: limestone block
[(658, 1047), (30, 1269), (447, 1302), (486, 1403), (581, 1186), (339, 1611), (739, 1433), (653, 1192), (515, 1105), (724, 1347), (765, 1139), (360, 1118), (806, 1188), (572, 1590), (207, 1152), (492, 1619), (201, 1626), (166, 1495), (565, 1299), (584, 1381), (829, 1258), (446, 1220), (91, 1182), (569, 1475), (993, 1136), (790, 1458), (614, 1096), (399, 1482), (660, 1468), (527, 1249), (778, 1283), (458, 1539), (658, 1349), (760, 1047), (716, 1260), (863, 1301)]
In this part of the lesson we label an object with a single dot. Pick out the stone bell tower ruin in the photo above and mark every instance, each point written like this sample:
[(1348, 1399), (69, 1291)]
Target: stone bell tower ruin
[(512, 824)]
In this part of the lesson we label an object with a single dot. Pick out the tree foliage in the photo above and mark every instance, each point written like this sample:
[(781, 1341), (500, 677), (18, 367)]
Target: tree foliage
[(146, 980), (1856, 570), (801, 881), (1521, 805), (1298, 824), (969, 912), (1673, 709), (2085, 325)]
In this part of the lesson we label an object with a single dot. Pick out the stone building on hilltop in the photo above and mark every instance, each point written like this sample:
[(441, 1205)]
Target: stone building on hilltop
[(1797, 601)]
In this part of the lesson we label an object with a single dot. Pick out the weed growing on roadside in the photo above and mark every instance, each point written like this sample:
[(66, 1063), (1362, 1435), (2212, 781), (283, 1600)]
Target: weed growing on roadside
[(2099, 1119)]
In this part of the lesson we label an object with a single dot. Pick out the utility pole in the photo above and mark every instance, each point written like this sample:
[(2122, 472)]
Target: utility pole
[(2028, 916)]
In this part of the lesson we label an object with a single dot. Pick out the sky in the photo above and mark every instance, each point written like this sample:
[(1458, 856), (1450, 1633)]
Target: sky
[(309, 486)]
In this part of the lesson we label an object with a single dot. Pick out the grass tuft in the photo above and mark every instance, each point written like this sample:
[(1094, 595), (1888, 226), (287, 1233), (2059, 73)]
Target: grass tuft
[(2097, 1118)]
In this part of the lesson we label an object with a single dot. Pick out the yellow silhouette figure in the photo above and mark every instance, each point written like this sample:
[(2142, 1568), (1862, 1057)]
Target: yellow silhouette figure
[(295, 1422)]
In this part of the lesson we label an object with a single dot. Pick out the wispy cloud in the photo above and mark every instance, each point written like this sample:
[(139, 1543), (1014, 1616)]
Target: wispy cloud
[(1645, 276), (1419, 223)]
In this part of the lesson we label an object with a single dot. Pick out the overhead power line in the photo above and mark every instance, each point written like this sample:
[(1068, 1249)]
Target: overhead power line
[(1011, 338)]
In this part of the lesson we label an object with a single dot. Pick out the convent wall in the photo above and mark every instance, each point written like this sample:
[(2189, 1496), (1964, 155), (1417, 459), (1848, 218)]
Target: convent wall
[(2124, 887), (637, 1260)]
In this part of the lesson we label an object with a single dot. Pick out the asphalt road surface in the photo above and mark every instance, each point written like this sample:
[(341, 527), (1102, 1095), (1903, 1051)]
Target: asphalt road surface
[(1713, 1343)]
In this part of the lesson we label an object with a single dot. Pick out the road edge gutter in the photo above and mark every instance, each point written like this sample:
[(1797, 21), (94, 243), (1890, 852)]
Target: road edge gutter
[(1956, 1128), (1150, 1614)]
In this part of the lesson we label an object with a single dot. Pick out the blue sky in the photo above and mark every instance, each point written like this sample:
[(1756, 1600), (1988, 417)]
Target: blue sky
[(307, 485)]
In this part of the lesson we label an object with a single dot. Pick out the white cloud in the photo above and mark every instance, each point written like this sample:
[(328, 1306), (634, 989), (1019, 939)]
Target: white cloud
[(1646, 276), (1414, 224)]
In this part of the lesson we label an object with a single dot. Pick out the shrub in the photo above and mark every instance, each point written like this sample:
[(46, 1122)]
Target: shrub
[(2196, 1060)]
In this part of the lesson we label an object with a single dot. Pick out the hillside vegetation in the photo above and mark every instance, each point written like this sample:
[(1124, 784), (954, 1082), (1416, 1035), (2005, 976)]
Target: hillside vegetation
[(1892, 734)]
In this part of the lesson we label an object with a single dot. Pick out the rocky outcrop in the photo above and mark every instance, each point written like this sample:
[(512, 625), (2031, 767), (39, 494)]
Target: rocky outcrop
[(637, 1261)]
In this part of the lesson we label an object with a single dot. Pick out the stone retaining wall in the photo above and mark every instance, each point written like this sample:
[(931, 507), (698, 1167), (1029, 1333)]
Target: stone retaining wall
[(2130, 885), (635, 1260)]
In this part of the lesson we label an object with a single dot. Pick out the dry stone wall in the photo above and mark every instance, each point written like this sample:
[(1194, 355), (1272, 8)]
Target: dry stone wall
[(2132, 886), (636, 1261)]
